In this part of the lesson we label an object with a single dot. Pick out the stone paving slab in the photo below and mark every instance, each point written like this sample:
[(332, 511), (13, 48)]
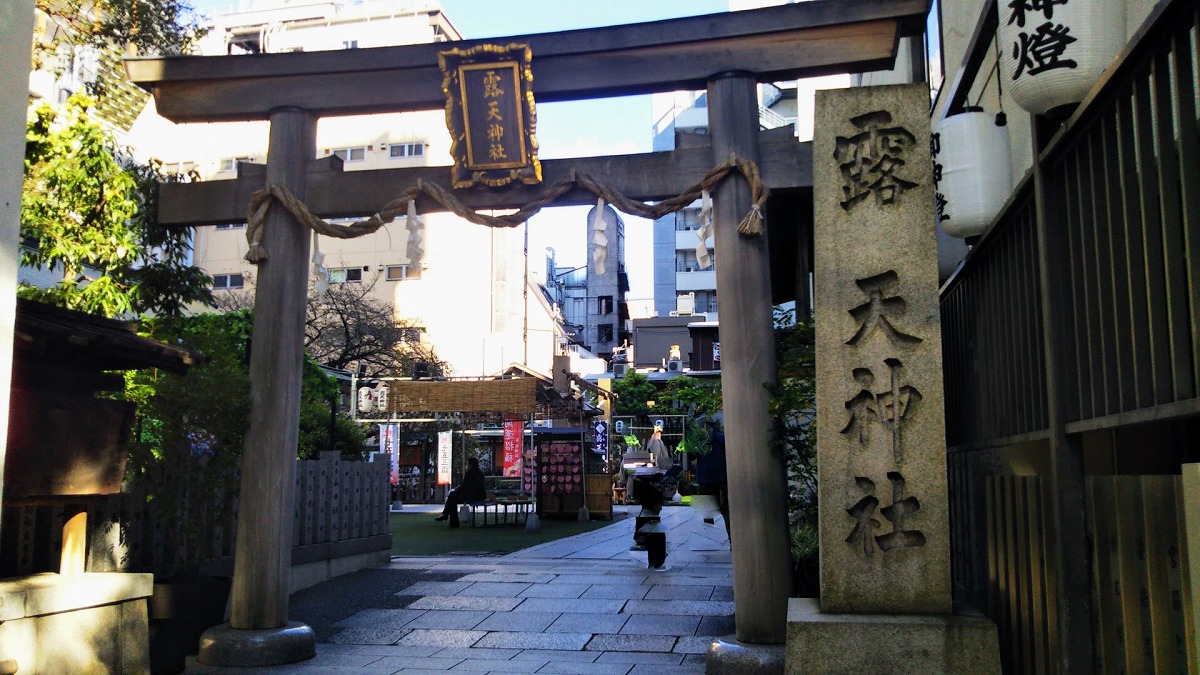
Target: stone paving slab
[(677, 592), (368, 636), (716, 625), (492, 589), (674, 607), (556, 655), (654, 624), (465, 602), (379, 618), (493, 666), (394, 650), (536, 640), (696, 644), (621, 591), (585, 668), (663, 658), (449, 619), (562, 591), (645, 669), (435, 588), (582, 605), (722, 593), (509, 576), (631, 643), (442, 638), (477, 653), (575, 622), (410, 662), (530, 622)]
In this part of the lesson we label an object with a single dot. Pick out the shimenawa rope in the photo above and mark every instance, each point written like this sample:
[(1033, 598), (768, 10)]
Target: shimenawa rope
[(261, 201)]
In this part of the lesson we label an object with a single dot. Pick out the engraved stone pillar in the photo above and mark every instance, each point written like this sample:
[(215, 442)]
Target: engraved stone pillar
[(259, 633), (881, 437), (885, 551)]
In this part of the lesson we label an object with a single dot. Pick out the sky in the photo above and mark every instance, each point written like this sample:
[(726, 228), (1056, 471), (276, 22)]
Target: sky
[(571, 129)]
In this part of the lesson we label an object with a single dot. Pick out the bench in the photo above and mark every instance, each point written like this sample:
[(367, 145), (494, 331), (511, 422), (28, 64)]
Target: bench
[(512, 512)]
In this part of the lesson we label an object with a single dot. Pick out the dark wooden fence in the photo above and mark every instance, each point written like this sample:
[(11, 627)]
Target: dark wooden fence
[(341, 509), (1075, 319)]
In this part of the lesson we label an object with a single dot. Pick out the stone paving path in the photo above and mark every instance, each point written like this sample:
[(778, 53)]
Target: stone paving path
[(575, 605)]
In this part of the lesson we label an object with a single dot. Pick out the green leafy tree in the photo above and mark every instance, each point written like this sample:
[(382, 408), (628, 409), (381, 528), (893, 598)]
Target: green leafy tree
[(191, 429), (634, 391), (166, 27), (91, 216), (793, 409)]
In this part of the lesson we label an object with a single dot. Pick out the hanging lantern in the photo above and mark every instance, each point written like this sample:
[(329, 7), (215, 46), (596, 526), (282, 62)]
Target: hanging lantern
[(1053, 51), (972, 172), (365, 400)]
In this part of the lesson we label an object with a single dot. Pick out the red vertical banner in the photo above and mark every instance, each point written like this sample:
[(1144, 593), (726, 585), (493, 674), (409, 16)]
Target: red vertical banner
[(512, 447)]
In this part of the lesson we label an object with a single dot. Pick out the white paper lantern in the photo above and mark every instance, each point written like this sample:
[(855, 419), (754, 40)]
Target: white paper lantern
[(972, 169), (1053, 51)]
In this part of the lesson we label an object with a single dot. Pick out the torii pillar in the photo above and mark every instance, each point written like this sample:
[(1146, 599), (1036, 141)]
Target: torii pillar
[(258, 632), (757, 473)]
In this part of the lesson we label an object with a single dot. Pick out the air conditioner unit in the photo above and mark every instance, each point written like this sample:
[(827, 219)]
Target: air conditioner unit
[(674, 366), (619, 369)]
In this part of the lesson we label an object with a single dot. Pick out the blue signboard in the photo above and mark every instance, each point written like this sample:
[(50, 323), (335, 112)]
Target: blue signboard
[(600, 436)]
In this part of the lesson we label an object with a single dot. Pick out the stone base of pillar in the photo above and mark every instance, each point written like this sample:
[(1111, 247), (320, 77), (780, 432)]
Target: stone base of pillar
[(896, 643), (224, 646), (728, 656)]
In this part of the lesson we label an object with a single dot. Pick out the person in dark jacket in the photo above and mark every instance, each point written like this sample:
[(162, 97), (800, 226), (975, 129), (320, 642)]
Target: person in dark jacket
[(711, 476), (470, 490)]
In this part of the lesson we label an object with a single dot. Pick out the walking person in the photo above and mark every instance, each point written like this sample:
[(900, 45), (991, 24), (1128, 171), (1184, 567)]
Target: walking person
[(471, 489)]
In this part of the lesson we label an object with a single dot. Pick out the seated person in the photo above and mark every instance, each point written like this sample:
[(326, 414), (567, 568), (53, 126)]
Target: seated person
[(659, 452), (470, 490)]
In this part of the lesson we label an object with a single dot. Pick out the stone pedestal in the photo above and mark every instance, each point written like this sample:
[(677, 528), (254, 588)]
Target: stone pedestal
[(232, 647), (83, 623), (847, 644)]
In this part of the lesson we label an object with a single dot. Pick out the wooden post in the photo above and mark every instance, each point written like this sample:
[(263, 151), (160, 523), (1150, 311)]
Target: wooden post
[(1066, 513), (262, 564), (757, 474)]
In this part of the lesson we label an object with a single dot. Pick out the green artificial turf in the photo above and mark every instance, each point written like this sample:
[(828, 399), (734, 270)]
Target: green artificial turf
[(420, 534)]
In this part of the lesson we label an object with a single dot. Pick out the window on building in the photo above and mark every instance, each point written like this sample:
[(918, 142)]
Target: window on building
[(349, 44), (350, 154), (406, 150), (687, 220), (231, 226), (177, 168), (403, 272), (228, 281), (604, 304), (411, 335), (604, 332), (345, 275), (706, 301), (231, 163), (685, 261)]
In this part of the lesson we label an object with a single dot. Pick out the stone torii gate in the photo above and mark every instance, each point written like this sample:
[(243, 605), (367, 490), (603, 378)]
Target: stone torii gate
[(727, 54)]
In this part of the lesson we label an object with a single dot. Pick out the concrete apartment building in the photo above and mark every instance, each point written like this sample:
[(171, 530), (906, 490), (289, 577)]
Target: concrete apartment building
[(479, 316)]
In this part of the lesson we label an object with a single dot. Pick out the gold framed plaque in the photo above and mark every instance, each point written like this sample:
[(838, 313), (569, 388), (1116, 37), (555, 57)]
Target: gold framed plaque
[(491, 114)]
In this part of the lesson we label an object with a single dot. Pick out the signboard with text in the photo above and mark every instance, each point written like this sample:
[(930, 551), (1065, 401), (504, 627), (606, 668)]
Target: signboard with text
[(491, 114), (513, 434), (445, 449)]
